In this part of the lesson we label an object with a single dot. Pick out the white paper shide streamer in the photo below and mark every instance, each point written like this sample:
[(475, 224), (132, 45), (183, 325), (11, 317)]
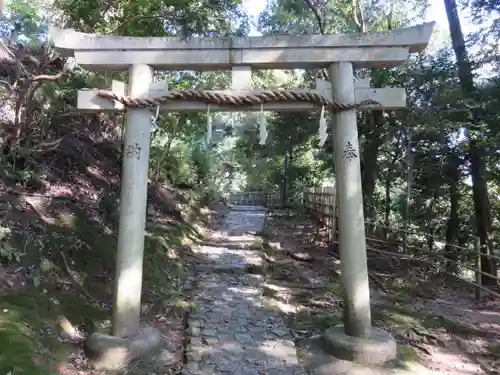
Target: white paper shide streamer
[(209, 126), (262, 127), (322, 131)]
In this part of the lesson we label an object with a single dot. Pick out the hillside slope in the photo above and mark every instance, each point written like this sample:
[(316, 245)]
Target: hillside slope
[(58, 252), (59, 206)]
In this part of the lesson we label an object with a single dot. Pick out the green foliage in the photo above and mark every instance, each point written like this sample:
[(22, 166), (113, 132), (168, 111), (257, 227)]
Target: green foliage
[(8, 253), (422, 147), (19, 344), (154, 18), (415, 163), (26, 19)]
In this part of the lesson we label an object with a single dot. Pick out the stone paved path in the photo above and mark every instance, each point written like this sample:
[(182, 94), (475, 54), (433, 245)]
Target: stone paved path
[(232, 332)]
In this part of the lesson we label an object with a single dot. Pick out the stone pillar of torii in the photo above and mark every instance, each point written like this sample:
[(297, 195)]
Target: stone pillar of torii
[(340, 54)]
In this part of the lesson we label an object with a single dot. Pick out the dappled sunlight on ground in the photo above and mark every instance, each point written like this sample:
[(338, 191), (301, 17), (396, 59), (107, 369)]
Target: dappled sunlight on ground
[(447, 333), (232, 330), (232, 327), (233, 258)]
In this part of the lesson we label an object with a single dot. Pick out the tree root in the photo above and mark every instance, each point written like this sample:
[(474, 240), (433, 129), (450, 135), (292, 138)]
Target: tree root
[(378, 282), (301, 256), (418, 338), (93, 300), (428, 337)]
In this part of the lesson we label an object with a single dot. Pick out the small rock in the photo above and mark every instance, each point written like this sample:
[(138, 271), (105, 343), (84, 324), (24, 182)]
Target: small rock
[(275, 364), (226, 364), (212, 340), (195, 342), (246, 370), (257, 329), (209, 332), (194, 355), (243, 338), (267, 335), (280, 331), (192, 366), (167, 358), (232, 347), (195, 331)]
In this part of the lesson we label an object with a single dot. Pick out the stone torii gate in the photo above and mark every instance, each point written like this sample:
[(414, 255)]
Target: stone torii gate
[(340, 54)]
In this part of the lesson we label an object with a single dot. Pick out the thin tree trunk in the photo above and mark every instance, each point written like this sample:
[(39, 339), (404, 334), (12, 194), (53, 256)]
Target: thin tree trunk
[(371, 149), (409, 186), (430, 238), (453, 220), (388, 201), (284, 193), (387, 214), (476, 151)]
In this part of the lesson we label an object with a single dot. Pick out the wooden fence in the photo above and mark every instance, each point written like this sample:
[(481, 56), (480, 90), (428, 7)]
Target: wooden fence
[(255, 198), (321, 204)]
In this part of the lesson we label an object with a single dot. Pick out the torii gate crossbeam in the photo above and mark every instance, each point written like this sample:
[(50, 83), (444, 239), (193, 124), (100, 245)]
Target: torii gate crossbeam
[(116, 53)]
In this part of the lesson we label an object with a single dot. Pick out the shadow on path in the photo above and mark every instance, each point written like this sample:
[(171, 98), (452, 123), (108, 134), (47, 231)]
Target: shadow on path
[(232, 330)]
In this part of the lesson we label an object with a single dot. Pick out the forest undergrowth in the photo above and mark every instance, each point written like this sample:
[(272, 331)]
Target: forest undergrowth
[(58, 236), (438, 324)]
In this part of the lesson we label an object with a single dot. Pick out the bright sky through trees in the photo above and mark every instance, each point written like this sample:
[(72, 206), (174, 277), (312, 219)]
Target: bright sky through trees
[(436, 13)]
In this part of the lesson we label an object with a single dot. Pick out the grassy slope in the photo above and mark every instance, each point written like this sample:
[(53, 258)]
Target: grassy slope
[(30, 319), (65, 276)]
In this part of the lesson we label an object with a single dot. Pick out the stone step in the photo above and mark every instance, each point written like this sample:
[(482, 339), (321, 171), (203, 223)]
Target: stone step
[(246, 208), (234, 245), (217, 268), (236, 258)]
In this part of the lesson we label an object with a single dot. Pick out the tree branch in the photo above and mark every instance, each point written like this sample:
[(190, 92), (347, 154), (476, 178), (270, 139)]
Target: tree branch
[(320, 26), (359, 19), (390, 17), (317, 15)]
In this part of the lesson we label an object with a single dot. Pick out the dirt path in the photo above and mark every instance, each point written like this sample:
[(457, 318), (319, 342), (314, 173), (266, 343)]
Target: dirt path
[(449, 333), (231, 330)]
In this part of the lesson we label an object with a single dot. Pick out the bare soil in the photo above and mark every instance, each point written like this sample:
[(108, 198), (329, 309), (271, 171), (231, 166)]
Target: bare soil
[(436, 323), (59, 288)]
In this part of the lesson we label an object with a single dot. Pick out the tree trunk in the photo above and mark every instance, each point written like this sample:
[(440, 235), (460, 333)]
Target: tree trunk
[(284, 192), (430, 238), (387, 215), (451, 251), (409, 186), (482, 211), (388, 183), (371, 148), (476, 151)]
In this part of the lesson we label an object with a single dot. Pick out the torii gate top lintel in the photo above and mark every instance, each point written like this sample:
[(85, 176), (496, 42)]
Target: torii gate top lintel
[(117, 53)]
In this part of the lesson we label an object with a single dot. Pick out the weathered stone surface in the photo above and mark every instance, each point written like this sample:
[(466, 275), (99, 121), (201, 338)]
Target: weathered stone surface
[(380, 49), (235, 333), (378, 348), (223, 258), (113, 353), (318, 362)]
